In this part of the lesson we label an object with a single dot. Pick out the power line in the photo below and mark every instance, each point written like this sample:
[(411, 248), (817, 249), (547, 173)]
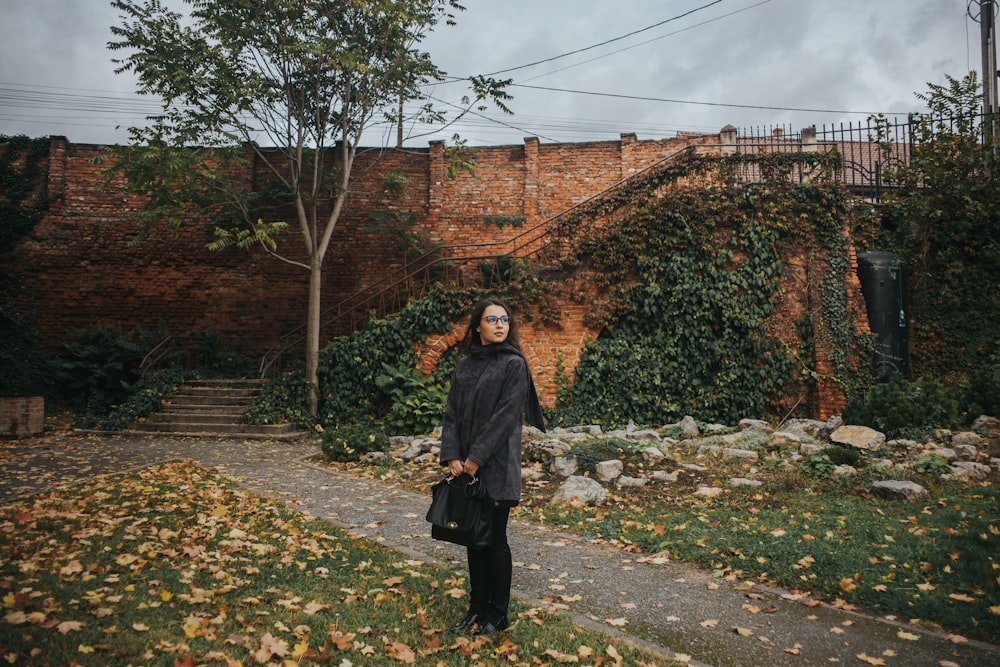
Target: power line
[(609, 41), (708, 104)]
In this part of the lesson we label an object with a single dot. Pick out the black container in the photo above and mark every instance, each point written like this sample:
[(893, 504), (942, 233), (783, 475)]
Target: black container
[(883, 282)]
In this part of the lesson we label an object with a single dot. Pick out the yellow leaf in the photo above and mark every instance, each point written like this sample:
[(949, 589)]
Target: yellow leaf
[(753, 609), (902, 634), (926, 587), (995, 609), (777, 532), (83, 648), (847, 584), (301, 649), (400, 652), (743, 632), (166, 595), (617, 622), (961, 597), (710, 623), (140, 627), (864, 657)]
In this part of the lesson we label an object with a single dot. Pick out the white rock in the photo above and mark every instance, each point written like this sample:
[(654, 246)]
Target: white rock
[(947, 453), (986, 423), (896, 488), (743, 454), (564, 466), (689, 427), (605, 471), (531, 474), (755, 425), (743, 481), (782, 439), (695, 467), (967, 438), (580, 490), (810, 448), (969, 470), (645, 436), (965, 452), (844, 471), (860, 437), (653, 455), (625, 481), (664, 476), (708, 491)]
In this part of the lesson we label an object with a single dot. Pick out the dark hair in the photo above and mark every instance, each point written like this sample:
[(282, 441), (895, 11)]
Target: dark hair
[(472, 338)]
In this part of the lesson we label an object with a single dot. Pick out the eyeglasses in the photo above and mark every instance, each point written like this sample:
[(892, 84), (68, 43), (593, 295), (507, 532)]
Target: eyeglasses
[(493, 319)]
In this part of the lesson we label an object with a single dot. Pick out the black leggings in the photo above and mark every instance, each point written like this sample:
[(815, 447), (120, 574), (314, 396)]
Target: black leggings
[(490, 572)]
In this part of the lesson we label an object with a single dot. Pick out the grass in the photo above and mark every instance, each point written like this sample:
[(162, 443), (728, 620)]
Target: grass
[(175, 566), (937, 562)]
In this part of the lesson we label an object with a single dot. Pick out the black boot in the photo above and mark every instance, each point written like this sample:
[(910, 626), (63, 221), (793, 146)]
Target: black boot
[(466, 623), (489, 628)]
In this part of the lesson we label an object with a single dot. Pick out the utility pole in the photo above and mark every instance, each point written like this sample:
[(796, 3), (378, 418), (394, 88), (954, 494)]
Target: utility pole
[(988, 36)]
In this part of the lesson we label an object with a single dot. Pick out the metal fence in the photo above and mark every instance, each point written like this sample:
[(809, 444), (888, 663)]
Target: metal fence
[(871, 150)]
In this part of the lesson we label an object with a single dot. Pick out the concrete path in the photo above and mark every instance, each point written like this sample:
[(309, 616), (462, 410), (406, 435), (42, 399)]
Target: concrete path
[(671, 608)]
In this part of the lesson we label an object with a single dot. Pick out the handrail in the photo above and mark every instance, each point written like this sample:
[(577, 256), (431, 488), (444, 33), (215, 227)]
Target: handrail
[(423, 263)]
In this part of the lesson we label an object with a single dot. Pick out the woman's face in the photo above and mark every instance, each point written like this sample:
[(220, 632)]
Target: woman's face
[(494, 325)]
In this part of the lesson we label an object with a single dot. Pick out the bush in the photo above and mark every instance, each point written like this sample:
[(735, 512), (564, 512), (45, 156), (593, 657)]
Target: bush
[(350, 442), (901, 406), (981, 395), (146, 397), (818, 466), (418, 402), (283, 399), (842, 456), (99, 368), (931, 465)]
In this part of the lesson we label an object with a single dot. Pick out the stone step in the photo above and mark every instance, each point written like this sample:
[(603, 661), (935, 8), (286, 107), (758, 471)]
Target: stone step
[(181, 398), (212, 408), (199, 417)]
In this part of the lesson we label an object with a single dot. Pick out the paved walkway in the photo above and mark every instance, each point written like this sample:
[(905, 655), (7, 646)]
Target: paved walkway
[(669, 607)]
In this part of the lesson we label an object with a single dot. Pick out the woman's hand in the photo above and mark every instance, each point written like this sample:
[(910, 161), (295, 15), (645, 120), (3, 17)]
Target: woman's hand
[(470, 467), (455, 467)]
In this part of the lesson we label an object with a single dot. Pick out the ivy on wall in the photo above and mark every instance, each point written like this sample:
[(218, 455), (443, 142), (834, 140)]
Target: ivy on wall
[(692, 275), (23, 201)]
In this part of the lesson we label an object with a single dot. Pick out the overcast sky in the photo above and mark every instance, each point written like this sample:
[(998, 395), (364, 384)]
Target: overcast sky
[(698, 64)]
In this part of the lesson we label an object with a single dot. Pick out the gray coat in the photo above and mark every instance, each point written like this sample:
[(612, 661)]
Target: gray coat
[(483, 417)]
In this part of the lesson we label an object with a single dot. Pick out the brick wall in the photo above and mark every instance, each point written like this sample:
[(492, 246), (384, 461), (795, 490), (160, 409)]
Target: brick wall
[(80, 268)]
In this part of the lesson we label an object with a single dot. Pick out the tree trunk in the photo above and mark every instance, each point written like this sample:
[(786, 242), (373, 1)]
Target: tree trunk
[(312, 333)]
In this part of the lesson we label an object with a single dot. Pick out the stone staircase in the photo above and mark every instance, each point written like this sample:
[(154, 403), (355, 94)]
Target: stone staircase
[(213, 409)]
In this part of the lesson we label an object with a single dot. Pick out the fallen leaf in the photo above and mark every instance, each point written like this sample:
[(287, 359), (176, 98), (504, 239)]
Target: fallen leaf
[(743, 632), (617, 622), (902, 634), (710, 623), (961, 597), (69, 626), (864, 657), (400, 652)]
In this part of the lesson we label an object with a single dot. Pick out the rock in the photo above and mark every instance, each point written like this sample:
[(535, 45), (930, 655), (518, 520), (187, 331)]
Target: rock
[(664, 476), (893, 488), (605, 471), (708, 491), (986, 423), (968, 470), (859, 437), (531, 474), (690, 427), (947, 453), (579, 489), (801, 427), (966, 452), (743, 454), (645, 436), (903, 444), (995, 462), (844, 471), (883, 463), (695, 467), (399, 441), (546, 449), (374, 458), (784, 439), (743, 481), (625, 481), (711, 429), (593, 430), (967, 438), (755, 425), (564, 466), (709, 450), (653, 455), (810, 448), (426, 458)]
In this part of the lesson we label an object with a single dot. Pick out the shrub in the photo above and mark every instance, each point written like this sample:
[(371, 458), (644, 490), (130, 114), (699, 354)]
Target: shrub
[(931, 465), (350, 442), (283, 399), (900, 406), (981, 395), (842, 455), (98, 370), (819, 466), (418, 402), (146, 397)]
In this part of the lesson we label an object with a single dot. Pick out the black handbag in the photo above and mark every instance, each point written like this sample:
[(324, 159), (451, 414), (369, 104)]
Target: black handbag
[(461, 512)]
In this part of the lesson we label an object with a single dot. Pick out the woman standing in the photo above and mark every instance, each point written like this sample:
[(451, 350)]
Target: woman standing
[(481, 435)]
